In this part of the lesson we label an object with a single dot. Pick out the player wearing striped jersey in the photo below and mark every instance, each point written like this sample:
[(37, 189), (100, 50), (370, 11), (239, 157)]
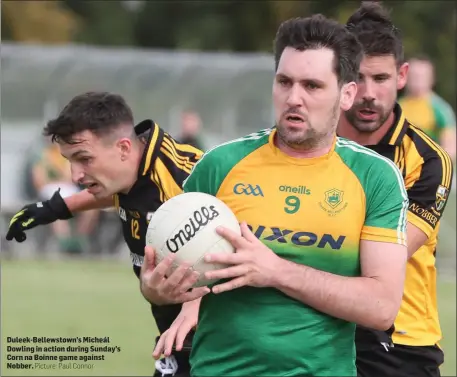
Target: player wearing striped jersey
[(411, 347), (320, 218), (140, 167)]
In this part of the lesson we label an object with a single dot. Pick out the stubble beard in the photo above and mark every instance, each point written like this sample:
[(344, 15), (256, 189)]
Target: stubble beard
[(310, 138), (367, 127)]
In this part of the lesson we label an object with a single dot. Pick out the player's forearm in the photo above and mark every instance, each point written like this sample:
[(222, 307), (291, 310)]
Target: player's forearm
[(191, 309), (361, 300), (416, 238), (84, 201)]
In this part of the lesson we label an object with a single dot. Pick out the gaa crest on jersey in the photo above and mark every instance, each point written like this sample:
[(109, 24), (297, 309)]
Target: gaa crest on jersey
[(333, 202), (247, 189), (441, 197)]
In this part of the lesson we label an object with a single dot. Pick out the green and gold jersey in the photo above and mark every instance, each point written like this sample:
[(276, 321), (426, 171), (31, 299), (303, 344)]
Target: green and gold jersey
[(431, 113), (311, 211)]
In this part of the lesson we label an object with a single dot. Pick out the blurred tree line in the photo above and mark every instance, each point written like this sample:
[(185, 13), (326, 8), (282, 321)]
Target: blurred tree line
[(429, 27)]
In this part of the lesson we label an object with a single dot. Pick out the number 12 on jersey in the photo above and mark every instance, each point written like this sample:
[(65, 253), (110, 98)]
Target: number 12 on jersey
[(135, 229)]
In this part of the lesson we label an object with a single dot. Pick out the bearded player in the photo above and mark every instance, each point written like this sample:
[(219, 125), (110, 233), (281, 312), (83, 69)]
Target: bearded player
[(309, 264), (411, 347)]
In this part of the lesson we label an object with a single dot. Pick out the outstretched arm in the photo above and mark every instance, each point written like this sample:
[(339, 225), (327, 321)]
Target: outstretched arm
[(56, 208), (83, 201)]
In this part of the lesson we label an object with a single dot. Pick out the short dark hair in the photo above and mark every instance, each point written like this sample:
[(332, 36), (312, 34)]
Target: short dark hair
[(317, 32), (373, 27), (98, 112)]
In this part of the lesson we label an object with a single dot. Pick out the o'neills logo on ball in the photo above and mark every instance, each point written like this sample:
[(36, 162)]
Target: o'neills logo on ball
[(198, 220)]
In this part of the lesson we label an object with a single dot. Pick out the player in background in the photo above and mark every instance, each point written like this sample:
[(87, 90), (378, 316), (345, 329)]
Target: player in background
[(376, 121), (310, 264), (135, 169), (191, 129), (426, 109)]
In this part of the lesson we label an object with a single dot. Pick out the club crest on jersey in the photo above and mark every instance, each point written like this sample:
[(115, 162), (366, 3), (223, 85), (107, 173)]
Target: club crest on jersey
[(122, 214), (333, 202), (441, 197), (334, 197)]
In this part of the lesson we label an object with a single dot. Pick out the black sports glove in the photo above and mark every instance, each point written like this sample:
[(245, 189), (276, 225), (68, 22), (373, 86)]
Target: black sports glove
[(40, 213)]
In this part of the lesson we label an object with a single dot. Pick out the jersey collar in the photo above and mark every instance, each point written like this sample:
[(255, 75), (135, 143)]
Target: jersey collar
[(398, 129), (152, 135)]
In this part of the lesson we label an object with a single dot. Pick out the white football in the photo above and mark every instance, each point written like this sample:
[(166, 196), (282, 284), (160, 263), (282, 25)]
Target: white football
[(186, 225)]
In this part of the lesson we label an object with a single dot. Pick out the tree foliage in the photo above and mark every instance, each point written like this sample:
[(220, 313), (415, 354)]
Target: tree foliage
[(37, 22), (428, 26)]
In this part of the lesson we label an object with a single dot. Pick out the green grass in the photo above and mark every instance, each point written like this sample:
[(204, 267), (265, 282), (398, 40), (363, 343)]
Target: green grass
[(99, 298), (76, 298), (446, 261), (446, 249), (447, 311)]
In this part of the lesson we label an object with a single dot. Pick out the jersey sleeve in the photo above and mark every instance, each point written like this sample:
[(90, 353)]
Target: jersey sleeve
[(429, 192), (386, 206), (173, 165), (444, 114), (204, 176)]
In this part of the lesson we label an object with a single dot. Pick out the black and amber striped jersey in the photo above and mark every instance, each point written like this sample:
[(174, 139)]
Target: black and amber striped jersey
[(164, 166), (427, 171)]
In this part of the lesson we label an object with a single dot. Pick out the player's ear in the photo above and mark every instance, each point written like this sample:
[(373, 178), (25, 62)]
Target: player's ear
[(125, 147), (402, 76), (348, 93)]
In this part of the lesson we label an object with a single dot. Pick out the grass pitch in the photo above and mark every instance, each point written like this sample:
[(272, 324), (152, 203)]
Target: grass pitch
[(78, 298), (100, 299)]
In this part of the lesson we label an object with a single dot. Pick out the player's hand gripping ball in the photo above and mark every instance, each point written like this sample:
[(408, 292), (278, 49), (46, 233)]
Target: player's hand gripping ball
[(186, 225)]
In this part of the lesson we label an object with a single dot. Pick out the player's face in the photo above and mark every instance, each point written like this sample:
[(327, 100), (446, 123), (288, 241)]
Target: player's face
[(307, 98), (377, 87), (420, 77), (98, 163)]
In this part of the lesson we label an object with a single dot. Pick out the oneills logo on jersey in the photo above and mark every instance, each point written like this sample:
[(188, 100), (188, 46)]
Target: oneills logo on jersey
[(441, 197), (300, 190), (298, 238), (333, 202)]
